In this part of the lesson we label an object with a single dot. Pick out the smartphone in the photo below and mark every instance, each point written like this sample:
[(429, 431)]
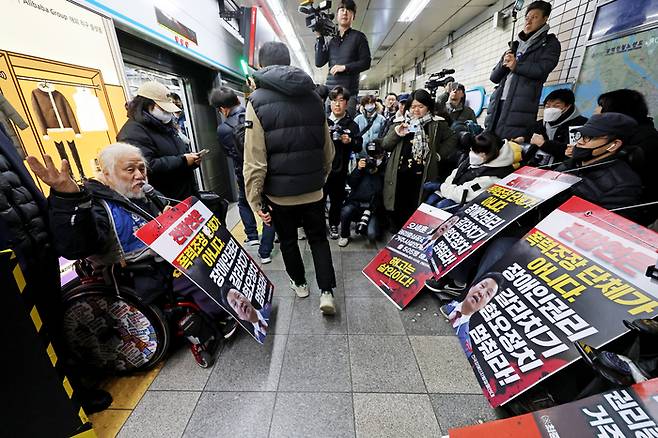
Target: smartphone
[(413, 127), (203, 152)]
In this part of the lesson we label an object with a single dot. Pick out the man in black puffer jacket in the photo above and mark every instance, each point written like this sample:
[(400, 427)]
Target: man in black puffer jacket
[(521, 74), (288, 154)]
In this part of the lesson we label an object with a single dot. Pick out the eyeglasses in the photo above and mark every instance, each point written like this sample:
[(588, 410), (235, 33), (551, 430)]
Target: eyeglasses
[(338, 101)]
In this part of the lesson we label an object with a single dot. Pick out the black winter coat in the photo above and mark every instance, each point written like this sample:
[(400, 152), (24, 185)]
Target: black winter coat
[(519, 110), (558, 145), (164, 151), (367, 187), (350, 50), (343, 151), (84, 230), (294, 123), (610, 185)]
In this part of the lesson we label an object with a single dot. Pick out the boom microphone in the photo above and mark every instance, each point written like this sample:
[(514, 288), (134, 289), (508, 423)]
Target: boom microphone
[(447, 71), (149, 191)]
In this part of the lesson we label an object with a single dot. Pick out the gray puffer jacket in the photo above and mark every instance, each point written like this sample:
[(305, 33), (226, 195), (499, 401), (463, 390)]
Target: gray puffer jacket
[(518, 112)]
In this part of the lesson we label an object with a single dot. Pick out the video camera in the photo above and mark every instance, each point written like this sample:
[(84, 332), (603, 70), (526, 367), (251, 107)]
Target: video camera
[(318, 19), (337, 130), (439, 79)]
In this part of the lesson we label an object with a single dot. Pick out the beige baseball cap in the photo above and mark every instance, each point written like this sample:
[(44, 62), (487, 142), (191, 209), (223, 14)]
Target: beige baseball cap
[(157, 93)]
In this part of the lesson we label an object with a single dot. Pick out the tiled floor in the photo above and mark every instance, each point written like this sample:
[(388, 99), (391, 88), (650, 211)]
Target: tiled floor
[(369, 371)]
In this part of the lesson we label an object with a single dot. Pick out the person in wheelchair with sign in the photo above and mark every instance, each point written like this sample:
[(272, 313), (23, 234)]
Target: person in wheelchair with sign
[(120, 312)]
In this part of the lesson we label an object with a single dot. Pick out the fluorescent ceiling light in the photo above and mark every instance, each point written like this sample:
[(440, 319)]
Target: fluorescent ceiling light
[(289, 32), (363, 77), (413, 9)]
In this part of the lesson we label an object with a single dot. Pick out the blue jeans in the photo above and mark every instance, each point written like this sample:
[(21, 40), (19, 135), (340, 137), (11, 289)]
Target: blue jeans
[(266, 241), (439, 202), (246, 215)]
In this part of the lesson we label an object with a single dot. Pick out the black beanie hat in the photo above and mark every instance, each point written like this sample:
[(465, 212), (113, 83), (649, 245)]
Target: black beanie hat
[(348, 4), (424, 97)]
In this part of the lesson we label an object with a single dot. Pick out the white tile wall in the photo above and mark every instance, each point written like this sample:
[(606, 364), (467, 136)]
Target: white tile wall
[(477, 52)]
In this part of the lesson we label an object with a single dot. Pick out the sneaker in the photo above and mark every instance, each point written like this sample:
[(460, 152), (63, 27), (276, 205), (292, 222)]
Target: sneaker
[(301, 290), (251, 242), (343, 241), (333, 232), (265, 260), (301, 235), (327, 306), (227, 327), (447, 287), (445, 312)]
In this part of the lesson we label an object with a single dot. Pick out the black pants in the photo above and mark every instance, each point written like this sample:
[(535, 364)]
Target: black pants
[(406, 197), (285, 219), (352, 212), (334, 189)]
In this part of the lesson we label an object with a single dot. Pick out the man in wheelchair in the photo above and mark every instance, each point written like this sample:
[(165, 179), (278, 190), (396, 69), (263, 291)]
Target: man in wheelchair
[(97, 221)]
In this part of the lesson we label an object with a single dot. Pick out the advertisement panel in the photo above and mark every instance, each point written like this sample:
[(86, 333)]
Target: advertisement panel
[(194, 241), (576, 276)]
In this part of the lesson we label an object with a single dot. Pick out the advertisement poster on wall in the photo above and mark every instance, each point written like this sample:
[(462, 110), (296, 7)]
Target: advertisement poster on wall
[(574, 277), (64, 82)]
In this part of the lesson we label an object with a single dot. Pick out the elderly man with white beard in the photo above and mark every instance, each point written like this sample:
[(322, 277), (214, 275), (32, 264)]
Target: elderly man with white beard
[(97, 222)]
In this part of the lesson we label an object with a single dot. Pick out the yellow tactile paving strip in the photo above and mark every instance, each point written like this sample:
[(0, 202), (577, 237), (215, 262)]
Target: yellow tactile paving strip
[(128, 391)]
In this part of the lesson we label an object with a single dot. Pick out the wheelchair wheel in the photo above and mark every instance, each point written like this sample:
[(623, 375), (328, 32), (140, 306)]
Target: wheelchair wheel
[(111, 332)]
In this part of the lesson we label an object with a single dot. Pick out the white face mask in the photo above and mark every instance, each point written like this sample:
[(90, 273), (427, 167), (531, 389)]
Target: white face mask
[(475, 159), (161, 115), (552, 114), (370, 107)]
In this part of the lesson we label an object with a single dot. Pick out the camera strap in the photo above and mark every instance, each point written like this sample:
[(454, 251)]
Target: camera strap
[(368, 126)]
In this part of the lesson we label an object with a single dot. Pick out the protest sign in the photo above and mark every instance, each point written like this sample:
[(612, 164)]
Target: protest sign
[(628, 412), (193, 240), (492, 211), (576, 276), (400, 269)]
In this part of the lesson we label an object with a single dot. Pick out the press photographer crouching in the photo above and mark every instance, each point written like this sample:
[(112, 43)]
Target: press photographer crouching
[(347, 53), (97, 222), (364, 204)]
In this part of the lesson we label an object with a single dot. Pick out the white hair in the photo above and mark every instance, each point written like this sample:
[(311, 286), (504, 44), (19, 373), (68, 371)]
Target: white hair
[(109, 156)]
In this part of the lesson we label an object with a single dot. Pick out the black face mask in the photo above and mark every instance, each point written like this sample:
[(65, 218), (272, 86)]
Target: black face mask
[(583, 154)]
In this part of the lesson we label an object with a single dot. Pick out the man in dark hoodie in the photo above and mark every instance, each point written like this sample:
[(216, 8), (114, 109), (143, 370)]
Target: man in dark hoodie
[(288, 155), (520, 75)]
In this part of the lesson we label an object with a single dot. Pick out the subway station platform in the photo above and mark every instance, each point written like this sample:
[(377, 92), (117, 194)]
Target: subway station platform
[(368, 371)]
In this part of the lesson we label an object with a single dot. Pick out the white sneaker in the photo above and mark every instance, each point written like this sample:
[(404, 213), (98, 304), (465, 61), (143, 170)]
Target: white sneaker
[(343, 241), (301, 290), (327, 306), (265, 260), (333, 232), (301, 235), (253, 242)]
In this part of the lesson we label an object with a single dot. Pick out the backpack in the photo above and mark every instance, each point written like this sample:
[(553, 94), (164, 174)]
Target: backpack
[(467, 126), (238, 136)]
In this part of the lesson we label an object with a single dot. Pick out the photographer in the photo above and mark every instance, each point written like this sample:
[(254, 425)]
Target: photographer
[(551, 134), (520, 75), (347, 53), (345, 135), (365, 200), (454, 100), (370, 121)]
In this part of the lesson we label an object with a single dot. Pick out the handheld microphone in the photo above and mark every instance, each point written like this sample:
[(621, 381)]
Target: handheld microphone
[(447, 71), (149, 191)]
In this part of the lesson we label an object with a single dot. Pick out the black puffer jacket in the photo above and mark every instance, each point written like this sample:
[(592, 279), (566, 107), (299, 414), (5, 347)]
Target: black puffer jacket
[(519, 110), (610, 185), (163, 149), (84, 230), (367, 187), (293, 120)]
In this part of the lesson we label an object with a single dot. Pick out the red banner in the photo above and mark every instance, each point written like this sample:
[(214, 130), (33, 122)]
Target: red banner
[(399, 271), (575, 276), (193, 240), (629, 412)]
